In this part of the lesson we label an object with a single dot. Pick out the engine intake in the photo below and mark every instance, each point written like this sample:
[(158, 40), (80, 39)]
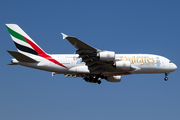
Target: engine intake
[(106, 56), (123, 65), (114, 78)]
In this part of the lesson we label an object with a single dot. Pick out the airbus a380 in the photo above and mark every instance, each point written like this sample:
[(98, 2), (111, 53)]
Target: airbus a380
[(88, 62)]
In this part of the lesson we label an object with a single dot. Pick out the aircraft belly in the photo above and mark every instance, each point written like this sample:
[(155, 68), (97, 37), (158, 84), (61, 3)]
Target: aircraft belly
[(155, 69), (45, 67), (79, 69)]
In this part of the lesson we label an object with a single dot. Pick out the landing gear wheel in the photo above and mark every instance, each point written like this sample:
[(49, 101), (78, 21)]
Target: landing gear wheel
[(99, 82), (166, 78)]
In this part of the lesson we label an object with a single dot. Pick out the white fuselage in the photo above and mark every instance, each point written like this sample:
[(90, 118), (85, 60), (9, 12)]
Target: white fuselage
[(140, 64)]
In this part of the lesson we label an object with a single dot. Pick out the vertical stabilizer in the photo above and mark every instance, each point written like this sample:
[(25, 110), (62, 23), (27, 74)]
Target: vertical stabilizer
[(25, 44), (22, 41)]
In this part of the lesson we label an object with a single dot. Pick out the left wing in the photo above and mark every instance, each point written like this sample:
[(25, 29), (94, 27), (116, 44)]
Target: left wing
[(78, 44), (96, 60)]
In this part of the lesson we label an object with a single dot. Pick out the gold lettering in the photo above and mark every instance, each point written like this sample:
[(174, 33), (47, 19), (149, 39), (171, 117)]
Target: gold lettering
[(145, 60), (121, 58), (124, 64), (141, 60), (150, 60), (134, 59), (137, 60), (130, 59)]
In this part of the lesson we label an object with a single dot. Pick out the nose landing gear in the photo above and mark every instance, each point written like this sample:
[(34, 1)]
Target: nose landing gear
[(166, 78)]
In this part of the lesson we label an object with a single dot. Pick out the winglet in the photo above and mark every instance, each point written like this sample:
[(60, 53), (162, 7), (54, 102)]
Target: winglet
[(64, 35)]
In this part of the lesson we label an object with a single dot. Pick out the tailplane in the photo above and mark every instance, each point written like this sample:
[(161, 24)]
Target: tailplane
[(22, 41), (21, 57)]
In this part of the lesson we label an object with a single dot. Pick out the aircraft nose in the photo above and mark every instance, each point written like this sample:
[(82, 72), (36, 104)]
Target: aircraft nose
[(174, 67)]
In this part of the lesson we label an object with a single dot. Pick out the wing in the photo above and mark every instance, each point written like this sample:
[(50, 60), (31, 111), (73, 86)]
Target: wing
[(78, 44), (91, 56)]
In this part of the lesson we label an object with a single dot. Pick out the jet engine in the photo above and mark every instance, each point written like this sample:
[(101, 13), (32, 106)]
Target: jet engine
[(114, 78), (106, 56), (123, 65)]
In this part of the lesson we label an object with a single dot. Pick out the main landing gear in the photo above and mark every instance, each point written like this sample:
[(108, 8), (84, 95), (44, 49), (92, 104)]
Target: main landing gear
[(166, 78), (93, 79)]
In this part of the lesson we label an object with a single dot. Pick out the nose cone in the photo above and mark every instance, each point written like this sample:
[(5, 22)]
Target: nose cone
[(174, 67)]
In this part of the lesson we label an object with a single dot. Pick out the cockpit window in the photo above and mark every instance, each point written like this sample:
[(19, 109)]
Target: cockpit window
[(170, 62)]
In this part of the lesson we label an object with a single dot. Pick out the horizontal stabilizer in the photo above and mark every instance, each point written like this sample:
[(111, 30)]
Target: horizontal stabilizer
[(21, 57), (12, 64)]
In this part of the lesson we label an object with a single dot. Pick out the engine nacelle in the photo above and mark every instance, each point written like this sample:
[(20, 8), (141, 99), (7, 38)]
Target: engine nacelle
[(106, 55), (123, 65), (114, 78)]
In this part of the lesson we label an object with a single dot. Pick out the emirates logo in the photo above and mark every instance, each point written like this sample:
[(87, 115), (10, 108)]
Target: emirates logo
[(108, 55), (124, 64)]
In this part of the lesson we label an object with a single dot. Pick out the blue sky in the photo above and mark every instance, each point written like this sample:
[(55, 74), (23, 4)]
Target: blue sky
[(141, 26)]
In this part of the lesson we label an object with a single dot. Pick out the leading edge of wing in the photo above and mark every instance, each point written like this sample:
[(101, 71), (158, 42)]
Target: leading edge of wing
[(78, 43)]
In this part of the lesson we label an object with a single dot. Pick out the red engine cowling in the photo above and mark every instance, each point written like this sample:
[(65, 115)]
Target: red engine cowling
[(106, 55), (123, 65), (114, 78)]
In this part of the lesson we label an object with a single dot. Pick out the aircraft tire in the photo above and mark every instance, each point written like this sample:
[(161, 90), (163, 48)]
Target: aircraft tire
[(99, 82), (166, 78)]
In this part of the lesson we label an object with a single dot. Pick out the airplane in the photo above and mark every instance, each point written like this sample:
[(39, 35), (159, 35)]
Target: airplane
[(90, 63)]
